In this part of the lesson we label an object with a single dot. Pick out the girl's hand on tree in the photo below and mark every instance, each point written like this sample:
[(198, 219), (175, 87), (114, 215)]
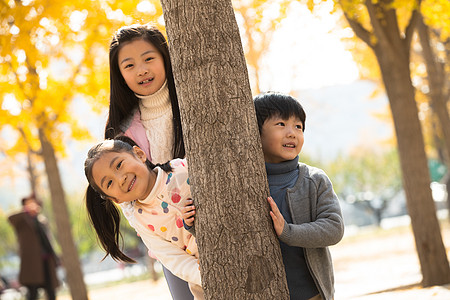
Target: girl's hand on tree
[(277, 217), (188, 212)]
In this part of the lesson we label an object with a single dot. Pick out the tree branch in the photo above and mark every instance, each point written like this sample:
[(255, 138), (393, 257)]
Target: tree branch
[(30, 149), (377, 27), (412, 25), (21, 86), (359, 30)]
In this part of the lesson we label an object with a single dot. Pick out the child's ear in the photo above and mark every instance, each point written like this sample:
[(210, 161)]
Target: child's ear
[(108, 198), (140, 153)]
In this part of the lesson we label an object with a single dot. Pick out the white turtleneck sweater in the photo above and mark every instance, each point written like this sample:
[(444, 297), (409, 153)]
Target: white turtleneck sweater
[(156, 117)]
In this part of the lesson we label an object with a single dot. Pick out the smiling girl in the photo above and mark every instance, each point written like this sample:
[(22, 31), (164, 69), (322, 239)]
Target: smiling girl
[(144, 105), (121, 173)]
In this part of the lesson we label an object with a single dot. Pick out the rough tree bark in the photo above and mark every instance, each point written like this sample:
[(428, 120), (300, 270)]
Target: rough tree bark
[(240, 256), (439, 94), (70, 260), (392, 50), (436, 81)]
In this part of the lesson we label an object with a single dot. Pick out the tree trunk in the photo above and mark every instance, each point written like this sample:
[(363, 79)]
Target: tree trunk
[(32, 174), (240, 256), (395, 70), (439, 96), (30, 165), (70, 259), (436, 79), (391, 47)]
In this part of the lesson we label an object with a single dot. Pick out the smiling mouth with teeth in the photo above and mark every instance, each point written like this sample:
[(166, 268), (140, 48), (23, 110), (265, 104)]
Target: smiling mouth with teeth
[(146, 81), (132, 184), (289, 145)]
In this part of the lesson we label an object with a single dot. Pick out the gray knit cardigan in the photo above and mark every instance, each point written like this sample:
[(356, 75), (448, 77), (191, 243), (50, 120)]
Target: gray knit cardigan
[(317, 224)]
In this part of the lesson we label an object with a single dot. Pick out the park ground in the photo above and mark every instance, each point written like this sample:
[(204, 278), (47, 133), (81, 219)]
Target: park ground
[(372, 264)]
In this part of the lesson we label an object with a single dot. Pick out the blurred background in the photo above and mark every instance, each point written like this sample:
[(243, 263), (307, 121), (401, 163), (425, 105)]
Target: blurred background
[(54, 88)]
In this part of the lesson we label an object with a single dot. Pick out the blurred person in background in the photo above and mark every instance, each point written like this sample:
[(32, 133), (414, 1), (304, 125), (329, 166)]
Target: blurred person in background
[(38, 261)]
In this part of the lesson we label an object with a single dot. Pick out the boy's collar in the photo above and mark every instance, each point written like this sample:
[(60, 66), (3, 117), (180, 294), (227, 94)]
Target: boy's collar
[(282, 167)]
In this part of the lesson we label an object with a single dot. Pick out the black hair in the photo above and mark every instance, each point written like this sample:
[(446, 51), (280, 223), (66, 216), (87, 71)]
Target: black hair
[(123, 101), (103, 213), (31, 197), (274, 104)]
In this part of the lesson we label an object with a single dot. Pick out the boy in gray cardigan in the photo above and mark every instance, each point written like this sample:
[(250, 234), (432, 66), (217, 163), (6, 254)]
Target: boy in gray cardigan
[(304, 208)]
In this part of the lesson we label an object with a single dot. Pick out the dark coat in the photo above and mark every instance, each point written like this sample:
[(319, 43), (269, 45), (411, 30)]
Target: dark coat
[(31, 250)]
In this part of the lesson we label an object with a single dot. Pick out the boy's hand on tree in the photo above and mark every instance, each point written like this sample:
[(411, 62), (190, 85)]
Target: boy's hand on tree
[(188, 212), (277, 217)]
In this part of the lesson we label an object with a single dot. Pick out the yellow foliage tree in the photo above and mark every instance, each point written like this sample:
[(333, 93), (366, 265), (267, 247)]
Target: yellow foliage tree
[(387, 28), (50, 53), (257, 26), (434, 37), (430, 67)]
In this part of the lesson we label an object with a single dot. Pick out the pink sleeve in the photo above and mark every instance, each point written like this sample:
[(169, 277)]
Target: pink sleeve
[(136, 131)]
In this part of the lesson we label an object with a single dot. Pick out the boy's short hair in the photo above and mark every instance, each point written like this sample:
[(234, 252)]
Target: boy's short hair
[(273, 104)]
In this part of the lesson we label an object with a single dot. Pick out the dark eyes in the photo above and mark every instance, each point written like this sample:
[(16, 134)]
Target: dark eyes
[(299, 126), (131, 65), (109, 183)]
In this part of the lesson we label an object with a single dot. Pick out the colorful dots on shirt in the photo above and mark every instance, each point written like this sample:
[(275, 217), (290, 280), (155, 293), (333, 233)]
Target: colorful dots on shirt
[(179, 223), (165, 207), (168, 178), (188, 251), (175, 195), (151, 227), (174, 238), (163, 229), (140, 210), (176, 198), (188, 181)]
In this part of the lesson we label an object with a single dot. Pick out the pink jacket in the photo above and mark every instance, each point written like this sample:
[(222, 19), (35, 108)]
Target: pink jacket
[(136, 131)]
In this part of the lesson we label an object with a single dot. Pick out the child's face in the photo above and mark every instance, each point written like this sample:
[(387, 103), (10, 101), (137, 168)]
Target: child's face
[(281, 139), (142, 67), (123, 176)]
